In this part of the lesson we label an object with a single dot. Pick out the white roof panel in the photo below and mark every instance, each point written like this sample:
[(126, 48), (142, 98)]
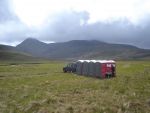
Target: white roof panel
[(100, 61), (106, 61)]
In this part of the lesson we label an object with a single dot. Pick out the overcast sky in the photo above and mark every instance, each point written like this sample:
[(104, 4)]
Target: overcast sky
[(117, 21)]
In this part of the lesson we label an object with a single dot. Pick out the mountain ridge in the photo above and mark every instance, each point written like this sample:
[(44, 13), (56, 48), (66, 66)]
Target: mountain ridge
[(74, 49), (83, 49)]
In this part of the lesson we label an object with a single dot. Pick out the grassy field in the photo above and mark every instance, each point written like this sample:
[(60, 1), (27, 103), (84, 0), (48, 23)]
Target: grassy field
[(44, 88)]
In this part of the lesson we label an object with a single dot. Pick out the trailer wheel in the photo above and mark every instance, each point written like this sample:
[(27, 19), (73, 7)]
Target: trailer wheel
[(108, 75), (64, 71)]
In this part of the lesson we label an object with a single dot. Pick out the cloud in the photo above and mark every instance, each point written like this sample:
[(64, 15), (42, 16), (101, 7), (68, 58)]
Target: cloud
[(6, 11), (73, 25), (64, 26), (99, 10), (12, 30)]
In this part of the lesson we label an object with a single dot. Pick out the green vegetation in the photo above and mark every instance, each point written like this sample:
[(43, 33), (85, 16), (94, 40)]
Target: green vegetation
[(15, 56), (44, 88)]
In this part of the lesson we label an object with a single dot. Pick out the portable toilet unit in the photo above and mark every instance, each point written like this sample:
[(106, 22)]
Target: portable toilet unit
[(92, 68), (85, 68), (105, 68), (79, 67)]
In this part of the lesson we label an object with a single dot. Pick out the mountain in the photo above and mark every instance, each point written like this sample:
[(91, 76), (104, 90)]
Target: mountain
[(82, 49), (10, 53), (32, 46)]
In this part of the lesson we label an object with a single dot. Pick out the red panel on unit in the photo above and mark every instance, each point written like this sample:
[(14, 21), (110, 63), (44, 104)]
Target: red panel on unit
[(103, 69)]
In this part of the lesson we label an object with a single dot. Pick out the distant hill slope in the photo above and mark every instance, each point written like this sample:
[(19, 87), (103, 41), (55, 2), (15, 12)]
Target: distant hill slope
[(6, 48), (82, 49), (10, 53), (14, 56)]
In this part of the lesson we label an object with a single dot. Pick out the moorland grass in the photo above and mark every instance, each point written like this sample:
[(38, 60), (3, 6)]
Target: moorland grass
[(43, 88)]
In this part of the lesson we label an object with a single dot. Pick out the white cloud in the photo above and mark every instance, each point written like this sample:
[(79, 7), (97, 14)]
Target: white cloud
[(35, 12), (63, 20)]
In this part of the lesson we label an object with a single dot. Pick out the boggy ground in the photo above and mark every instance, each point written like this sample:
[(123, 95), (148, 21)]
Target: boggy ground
[(44, 88)]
